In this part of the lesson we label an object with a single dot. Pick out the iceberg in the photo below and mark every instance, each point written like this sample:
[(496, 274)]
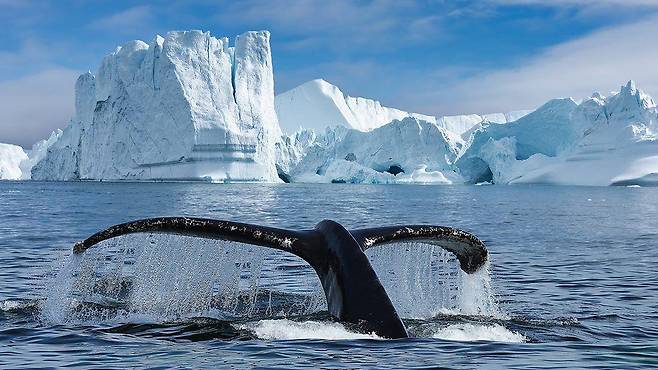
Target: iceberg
[(37, 153), (184, 107), (599, 141), (317, 104), (11, 157), (190, 106), (406, 151)]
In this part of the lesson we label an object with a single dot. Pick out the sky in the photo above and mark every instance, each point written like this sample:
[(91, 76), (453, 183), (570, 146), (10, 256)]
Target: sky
[(436, 57)]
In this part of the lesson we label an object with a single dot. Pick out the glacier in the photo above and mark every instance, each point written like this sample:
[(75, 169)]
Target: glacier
[(187, 106), (11, 157)]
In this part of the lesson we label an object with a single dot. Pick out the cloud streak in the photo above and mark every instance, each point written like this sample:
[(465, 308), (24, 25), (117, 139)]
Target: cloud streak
[(128, 20), (600, 61), (580, 3), (336, 24)]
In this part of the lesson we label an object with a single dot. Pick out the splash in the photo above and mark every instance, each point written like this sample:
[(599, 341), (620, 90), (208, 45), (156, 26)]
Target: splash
[(424, 281), (166, 278)]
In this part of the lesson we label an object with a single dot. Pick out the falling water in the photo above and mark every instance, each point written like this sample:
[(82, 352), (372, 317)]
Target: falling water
[(166, 277), (424, 280)]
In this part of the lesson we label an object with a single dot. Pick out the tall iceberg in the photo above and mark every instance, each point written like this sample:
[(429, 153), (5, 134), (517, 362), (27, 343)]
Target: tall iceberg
[(187, 106)]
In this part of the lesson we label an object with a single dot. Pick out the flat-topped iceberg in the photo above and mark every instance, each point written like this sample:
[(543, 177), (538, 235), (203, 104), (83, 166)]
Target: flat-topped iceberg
[(187, 106)]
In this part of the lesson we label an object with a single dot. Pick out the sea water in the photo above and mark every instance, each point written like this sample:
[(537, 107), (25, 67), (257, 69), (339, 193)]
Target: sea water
[(571, 280)]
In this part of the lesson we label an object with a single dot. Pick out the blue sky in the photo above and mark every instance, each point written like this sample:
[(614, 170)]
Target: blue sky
[(434, 57)]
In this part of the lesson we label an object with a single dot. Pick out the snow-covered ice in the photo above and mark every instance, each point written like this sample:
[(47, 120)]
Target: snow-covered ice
[(317, 104), (186, 106)]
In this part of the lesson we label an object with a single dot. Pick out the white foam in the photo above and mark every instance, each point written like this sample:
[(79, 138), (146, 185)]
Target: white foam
[(11, 305), (471, 333), (285, 329)]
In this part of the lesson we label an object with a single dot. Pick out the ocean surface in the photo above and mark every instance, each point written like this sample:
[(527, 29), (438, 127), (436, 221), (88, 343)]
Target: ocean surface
[(572, 280)]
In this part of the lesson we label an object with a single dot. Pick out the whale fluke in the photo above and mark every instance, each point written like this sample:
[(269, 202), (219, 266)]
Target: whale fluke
[(469, 250), (353, 290)]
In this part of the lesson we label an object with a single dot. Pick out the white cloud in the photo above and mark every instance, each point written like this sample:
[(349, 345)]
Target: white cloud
[(600, 61), (580, 3), (584, 8), (33, 106), (126, 21), (337, 24)]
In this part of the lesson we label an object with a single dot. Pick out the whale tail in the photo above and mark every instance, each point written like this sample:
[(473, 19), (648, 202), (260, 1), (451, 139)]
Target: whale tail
[(353, 290)]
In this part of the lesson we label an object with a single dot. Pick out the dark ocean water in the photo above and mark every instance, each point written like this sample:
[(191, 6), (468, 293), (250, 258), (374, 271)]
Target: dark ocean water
[(573, 272)]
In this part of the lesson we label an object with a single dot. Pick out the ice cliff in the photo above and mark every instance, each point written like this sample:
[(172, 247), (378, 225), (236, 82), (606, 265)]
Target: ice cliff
[(186, 106), (11, 157)]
